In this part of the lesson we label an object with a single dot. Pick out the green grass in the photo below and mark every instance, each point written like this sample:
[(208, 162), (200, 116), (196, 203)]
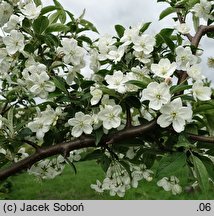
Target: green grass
[(77, 187)]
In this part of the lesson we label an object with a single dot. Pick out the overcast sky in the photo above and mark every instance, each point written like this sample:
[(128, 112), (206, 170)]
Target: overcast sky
[(104, 14)]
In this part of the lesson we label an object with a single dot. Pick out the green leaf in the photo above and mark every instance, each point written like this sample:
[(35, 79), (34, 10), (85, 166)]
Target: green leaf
[(120, 30), (145, 27), (37, 2), (204, 107), (83, 38), (201, 173), (133, 101), (57, 27), (179, 88), (164, 37), (94, 155), (58, 4), (98, 135), (88, 25), (60, 83), (166, 12), (171, 164), (182, 142), (149, 157), (48, 9), (62, 16), (208, 163), (71, 164), (105, 163), (142, 84), (40, 24)]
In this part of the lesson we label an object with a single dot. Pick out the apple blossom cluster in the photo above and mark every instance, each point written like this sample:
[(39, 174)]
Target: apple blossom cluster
[(42, 123), (50, 168), (170, 184), (36, 80), (118, 180), (202, 9)]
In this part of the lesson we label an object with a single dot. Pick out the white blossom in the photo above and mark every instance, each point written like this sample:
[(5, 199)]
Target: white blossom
[(201, 92), (116, 54), (110, 116), (6, 11), (194, 72), (142, 57), (176, 114), (184, 57), (41, 124), (73, 54), (37, 80), (164, 68), (203, 9), (97, 187), (117, 81), (81, 124), (96, 95), (12, 23), (157, 94), (14, 42), (164, 182), (105, 45), (129, 35), (31, 11), (183, 28), (144, 43)]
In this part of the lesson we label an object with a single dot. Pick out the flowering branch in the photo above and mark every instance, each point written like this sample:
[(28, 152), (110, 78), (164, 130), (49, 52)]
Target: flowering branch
[(65, 148), (202, 30)]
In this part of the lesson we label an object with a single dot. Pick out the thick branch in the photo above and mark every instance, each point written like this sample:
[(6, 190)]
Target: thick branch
[(65, 148), (202, 30)]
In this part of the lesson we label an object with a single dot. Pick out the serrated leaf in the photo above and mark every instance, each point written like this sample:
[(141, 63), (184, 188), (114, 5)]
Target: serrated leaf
[(201, 173), (170, 164), (120, 30), (166, 12), (40, 24), (145, 27)]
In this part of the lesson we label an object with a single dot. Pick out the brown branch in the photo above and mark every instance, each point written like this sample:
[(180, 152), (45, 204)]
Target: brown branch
[(202, 30), (201, 138), (45, 152), (65, 148), (128, 117)]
